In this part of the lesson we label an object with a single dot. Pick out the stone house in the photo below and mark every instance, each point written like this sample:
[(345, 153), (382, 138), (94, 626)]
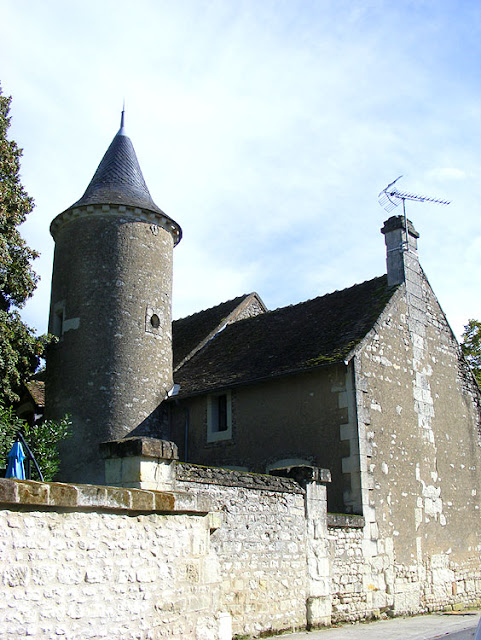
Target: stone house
[(318, 383), (368, 383)]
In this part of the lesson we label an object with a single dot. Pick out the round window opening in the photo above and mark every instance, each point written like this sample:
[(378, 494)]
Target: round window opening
[(155, 321)]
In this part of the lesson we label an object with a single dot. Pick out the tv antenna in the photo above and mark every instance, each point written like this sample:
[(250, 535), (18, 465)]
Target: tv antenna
[(391, 197)]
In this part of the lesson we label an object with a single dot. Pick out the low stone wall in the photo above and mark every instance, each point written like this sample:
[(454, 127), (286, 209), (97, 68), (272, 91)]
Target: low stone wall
[(261, 546), (368, 586), (222, 553), (272, 545), (438, 584), (348, 568), (84, 562)]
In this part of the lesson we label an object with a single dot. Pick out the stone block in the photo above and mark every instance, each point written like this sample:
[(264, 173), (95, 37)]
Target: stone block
[(30, 492), (90, 495), (164, 501), (132, 447), (8, 491), (130, 470), (319, 610), (142, 500), (117, 498), (224, 621), (347, 431), (350, 464), (63, 495), (113, 471), (214, 520), (156, 474)]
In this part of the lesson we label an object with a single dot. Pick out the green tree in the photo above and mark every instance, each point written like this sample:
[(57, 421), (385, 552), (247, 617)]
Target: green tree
[(20, 348), (471, 347), (42, 440)]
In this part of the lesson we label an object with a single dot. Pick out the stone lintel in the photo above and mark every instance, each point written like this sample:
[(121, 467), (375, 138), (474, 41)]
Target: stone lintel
[(345, 520), (135, 447)]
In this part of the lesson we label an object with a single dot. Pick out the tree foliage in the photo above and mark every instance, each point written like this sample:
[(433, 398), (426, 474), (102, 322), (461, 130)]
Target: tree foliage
[(20, 349), (471, 347), (42, 439)]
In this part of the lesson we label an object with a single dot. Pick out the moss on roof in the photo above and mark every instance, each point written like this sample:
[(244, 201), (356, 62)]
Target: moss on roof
[(297, 338)]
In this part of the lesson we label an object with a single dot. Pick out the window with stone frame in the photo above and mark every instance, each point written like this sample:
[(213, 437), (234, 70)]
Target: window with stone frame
[(219, 417)]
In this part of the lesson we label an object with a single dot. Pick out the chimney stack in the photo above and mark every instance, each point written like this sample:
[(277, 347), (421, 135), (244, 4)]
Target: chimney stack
[(401, 251)]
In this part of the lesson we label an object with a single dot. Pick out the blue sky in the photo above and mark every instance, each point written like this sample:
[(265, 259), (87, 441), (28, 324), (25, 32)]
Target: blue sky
[(265, 128)]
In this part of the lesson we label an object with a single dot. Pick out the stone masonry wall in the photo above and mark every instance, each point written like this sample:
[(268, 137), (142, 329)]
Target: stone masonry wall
[(223, 552), (419, 433), (261, 546), (82, 562), (348, 591)]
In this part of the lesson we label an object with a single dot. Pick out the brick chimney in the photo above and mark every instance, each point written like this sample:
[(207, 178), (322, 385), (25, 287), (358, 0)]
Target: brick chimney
[(401, 252)]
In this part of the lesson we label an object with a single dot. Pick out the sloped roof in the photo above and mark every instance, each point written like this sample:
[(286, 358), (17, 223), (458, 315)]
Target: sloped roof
[(118, 179), (36, 388), (190, 332), (292, 339)]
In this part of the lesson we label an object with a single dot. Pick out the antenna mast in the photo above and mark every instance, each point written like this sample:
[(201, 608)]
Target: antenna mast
[(390, 197)]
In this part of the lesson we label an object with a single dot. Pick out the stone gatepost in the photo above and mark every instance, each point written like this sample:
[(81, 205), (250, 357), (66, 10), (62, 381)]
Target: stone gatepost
[(318, 602), (140, 463)]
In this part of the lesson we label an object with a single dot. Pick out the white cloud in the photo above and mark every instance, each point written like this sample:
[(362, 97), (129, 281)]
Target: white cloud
[(265, 129)]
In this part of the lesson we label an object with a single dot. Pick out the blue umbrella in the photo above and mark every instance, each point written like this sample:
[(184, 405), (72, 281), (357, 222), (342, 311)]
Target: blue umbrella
[(15, 468)]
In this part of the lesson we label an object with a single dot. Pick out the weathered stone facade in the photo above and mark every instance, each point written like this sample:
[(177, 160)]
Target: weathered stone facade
[(111, 311), (418, 409)]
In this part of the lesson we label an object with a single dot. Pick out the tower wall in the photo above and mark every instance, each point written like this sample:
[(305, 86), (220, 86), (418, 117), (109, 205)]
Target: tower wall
[(111, 308)]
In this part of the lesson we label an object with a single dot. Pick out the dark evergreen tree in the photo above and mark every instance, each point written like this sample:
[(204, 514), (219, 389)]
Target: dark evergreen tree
[(20, 348)]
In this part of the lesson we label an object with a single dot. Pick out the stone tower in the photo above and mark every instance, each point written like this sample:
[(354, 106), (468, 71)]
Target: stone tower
[(111, 311)]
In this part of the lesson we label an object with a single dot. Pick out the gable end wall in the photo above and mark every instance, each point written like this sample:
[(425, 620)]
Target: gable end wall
[(419, 422)]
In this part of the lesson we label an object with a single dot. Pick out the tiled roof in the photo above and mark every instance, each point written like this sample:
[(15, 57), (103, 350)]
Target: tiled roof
[(119, 180), (36, 388), (292, 339), (188, 333)]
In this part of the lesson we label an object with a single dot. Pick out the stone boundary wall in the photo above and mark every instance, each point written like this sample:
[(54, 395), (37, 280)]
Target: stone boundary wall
[(224, 552), (364, 587), (348, 568), (186, 472), (261, 546), (87, 562), (221, 553)]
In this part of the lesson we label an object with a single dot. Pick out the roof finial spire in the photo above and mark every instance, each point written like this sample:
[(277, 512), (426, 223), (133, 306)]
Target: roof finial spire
[(122, 119)]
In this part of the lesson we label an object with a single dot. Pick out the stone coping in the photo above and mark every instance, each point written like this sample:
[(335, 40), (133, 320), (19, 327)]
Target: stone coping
[(345, 520), (186, 472), (139, 446), (28, 493)]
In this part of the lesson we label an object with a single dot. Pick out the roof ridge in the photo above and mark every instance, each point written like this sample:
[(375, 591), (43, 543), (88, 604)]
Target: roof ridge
[(215, 306), (326, 295)]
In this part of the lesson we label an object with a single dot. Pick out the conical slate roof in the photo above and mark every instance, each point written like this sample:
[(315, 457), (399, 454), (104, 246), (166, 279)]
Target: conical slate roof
[(119, 179)]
